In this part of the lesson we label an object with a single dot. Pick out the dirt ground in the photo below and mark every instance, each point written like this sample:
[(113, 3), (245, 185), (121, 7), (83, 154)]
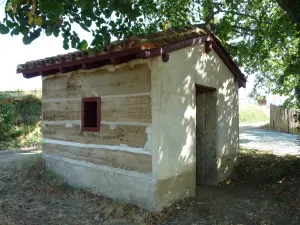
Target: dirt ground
[(264, 189)]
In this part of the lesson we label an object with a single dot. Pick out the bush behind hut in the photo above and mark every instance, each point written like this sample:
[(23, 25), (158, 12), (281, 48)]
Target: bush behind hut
[(20, 119)]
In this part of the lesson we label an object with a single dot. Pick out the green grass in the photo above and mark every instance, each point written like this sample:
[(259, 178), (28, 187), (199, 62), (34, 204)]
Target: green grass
[(252, 113)]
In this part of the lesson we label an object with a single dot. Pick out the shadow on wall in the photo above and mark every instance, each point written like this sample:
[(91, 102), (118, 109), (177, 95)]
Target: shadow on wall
[(177, 117)]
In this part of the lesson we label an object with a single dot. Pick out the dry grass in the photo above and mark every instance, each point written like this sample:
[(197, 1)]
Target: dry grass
[(32, 195), (278, 176), (264, 189)]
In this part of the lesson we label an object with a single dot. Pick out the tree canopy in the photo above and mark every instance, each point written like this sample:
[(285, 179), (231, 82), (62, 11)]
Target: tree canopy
[(261, 35)]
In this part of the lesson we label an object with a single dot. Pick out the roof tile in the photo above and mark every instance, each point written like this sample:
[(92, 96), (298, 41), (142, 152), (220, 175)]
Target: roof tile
[(144, 42), (131, 47)]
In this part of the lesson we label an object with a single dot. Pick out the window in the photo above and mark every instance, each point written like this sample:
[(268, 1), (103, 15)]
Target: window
[(90, 120)]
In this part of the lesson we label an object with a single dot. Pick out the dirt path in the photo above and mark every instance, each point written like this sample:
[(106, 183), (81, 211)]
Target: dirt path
[(255, 137)]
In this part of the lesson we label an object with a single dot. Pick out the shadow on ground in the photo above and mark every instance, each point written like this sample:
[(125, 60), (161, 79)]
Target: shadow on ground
[(264, 189)]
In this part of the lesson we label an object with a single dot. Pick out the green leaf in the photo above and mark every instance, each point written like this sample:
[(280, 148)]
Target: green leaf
[(8, 6), (88, 23), (107, 13), (4, 29), (52, 16), (26, 40), (11, 15), (106, 37), (91, 52), (99, 22), (30, 19), (56, 32), (48, 31), (97, 12), (10, 24), (45, 6), (103, 3), (15, 31), (89, 6), (39, 21), (66, 46), (84, 27), (83, 45), (56, 8), (93, 43), (73, 43), (24, 30), (35, 34), (81, 3)]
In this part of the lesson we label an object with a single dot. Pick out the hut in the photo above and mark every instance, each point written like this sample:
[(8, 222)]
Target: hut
[(144, 121)]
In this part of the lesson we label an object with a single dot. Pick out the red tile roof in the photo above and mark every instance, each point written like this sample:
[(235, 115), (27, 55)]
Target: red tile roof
[(142, 46)]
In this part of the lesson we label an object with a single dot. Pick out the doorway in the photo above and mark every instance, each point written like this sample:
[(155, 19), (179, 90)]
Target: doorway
[(206, 135)]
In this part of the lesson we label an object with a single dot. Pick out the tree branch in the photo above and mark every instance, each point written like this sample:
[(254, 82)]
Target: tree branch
[(238, 13), (245, 29)]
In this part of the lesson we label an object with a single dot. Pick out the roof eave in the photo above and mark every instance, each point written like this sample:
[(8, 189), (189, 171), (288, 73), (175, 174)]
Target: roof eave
[(127, 55)]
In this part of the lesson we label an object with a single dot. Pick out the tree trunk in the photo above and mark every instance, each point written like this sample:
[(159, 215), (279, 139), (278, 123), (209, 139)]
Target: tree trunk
[(292, 8)]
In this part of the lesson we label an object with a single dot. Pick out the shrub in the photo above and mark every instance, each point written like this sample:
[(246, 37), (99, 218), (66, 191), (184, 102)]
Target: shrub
[(20, 116)]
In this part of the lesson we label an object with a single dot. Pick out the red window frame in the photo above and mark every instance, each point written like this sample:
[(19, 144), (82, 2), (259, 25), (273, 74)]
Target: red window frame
[(98, 101)]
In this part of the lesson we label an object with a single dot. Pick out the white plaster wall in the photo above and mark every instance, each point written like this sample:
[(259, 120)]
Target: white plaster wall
[(131, 187), (174, 111)]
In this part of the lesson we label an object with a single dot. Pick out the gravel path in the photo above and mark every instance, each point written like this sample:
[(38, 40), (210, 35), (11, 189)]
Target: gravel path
[(254, 137)]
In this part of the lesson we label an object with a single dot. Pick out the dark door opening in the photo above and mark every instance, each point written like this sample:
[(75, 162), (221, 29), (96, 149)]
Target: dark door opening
[(206, 138)]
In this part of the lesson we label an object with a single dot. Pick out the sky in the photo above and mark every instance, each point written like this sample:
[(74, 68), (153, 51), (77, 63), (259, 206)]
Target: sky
[(14, 52)]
